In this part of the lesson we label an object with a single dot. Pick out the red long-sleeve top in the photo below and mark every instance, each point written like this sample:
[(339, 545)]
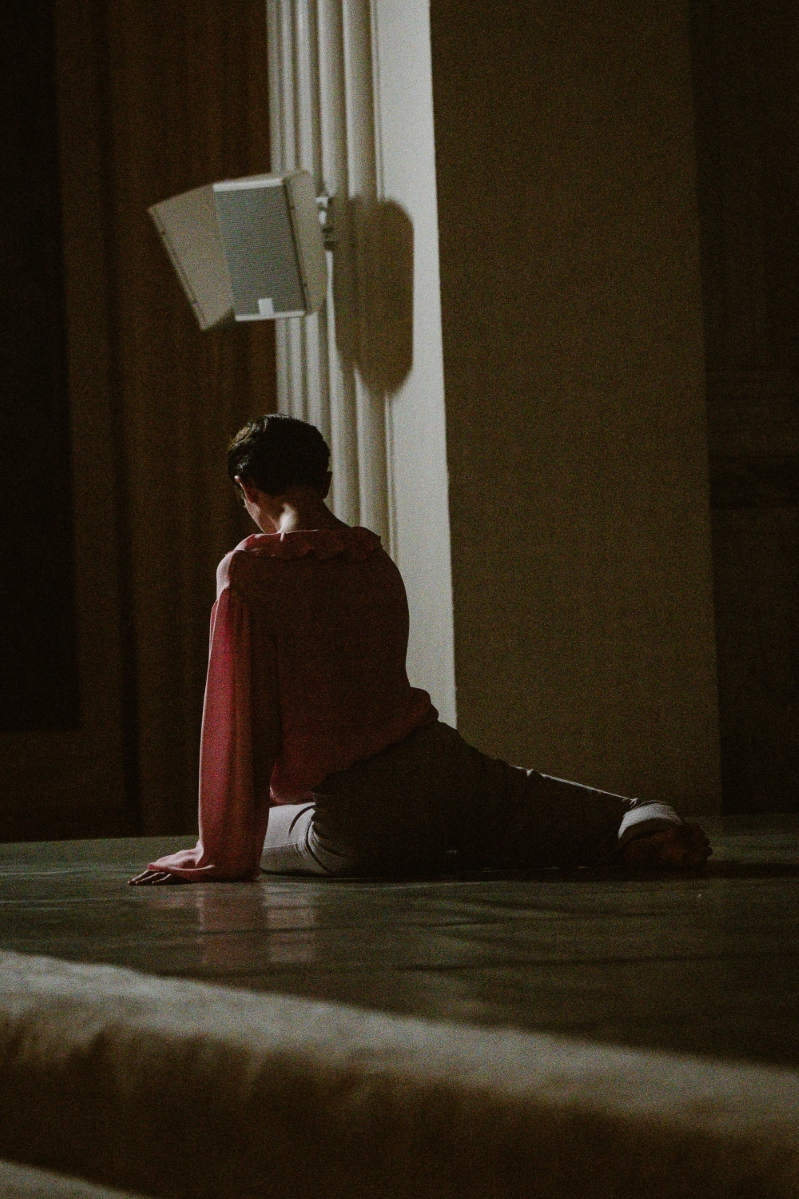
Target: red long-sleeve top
[(306, 675)]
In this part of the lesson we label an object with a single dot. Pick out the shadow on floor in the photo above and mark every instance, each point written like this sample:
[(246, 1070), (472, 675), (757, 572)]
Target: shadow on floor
[(752, 870)]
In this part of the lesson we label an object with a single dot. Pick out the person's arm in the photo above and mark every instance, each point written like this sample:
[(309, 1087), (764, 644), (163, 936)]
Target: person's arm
[(240, 737)]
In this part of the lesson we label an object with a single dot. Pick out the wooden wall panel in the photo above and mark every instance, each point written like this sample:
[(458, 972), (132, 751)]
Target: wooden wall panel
[(186, 105), (38, 647), (73, 782), (153, 98)]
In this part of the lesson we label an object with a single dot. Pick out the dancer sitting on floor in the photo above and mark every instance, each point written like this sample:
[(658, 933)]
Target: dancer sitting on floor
[(318, 757)]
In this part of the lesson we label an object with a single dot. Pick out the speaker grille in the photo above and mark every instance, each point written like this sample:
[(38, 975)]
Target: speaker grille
[(250, 220)]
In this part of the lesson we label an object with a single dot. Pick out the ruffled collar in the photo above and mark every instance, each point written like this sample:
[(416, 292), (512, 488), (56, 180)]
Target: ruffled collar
[(355, 544)]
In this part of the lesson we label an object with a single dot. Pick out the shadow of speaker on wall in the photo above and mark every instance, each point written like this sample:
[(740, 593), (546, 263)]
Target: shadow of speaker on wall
[(247, 249), (254, 249), (373, 291)]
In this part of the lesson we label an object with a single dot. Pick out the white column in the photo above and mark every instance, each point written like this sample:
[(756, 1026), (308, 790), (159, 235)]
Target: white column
[(416, 413), (322, 121), (351, 101)]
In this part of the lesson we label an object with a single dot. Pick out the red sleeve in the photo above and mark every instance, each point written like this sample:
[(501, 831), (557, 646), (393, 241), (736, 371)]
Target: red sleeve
[(240, 737)]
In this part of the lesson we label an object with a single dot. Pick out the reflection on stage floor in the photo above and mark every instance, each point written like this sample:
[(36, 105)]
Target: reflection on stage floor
[(705, 965)]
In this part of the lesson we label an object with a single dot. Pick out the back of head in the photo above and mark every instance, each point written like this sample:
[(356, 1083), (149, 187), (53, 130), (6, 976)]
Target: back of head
[(278, 452)]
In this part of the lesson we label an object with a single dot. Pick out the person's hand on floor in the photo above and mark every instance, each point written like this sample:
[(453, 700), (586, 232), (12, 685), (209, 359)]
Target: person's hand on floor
[(155, 878), (683, 847)]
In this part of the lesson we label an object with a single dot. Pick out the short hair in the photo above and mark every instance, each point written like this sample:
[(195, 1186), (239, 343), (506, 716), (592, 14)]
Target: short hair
[(278, 452)]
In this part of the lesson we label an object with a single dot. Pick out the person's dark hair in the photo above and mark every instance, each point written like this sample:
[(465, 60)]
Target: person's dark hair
[(278, 452)]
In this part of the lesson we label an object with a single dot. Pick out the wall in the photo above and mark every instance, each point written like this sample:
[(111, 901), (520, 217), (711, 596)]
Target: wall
[(747, 107), (152, 99), (415, 414), (38, 649), (67, 780), (574, 372), (351, 101), (186, 104)]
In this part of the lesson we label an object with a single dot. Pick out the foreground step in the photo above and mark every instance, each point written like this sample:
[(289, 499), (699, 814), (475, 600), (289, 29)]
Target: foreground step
[(172, 1088)]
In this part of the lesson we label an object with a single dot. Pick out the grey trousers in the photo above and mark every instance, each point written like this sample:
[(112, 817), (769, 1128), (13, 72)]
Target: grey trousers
[(433, 799)]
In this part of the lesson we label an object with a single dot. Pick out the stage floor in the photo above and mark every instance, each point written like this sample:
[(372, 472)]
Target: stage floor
[(706, 965)]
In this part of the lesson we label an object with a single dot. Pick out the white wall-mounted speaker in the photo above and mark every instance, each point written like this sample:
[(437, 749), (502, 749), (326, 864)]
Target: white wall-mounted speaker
[(247, 249)]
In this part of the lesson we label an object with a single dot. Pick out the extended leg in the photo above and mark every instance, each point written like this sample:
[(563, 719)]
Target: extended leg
[(529, 819)]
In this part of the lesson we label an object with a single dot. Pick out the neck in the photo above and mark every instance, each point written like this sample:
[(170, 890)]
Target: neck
[(300, 509)]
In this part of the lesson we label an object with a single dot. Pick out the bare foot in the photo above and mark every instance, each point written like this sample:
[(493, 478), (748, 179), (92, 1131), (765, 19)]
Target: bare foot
[(682, 847)]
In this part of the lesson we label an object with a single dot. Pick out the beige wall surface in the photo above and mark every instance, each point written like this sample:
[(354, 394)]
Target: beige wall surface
[(747, 124), (574, 371)]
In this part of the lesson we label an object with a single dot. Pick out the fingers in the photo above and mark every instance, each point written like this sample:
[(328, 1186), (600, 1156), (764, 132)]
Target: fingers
[(141, 879), (155, 878)]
